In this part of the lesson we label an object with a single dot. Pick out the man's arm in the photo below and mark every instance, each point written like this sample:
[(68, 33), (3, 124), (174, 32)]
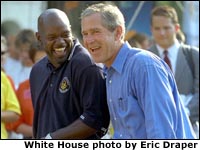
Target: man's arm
[(9, 116), (77, 130), (25, 129), (194, 103)]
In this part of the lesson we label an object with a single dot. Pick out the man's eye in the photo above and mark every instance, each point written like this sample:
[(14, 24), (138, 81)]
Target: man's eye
[(50, 38), (84, 34), (96, 31), (167, 28), (66, 36)]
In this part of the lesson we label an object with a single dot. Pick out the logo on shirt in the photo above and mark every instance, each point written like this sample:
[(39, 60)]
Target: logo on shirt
[(64, 85)]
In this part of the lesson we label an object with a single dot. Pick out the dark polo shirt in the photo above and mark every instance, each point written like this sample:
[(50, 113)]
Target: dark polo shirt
[(74, 90)]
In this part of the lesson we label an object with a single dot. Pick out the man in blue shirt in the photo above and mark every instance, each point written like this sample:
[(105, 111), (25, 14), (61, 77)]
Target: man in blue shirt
[(142, 96), (68, 90)]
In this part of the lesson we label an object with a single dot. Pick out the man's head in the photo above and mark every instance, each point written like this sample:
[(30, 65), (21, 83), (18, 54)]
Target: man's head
[(139, 40), (10, 29), (164, 25), (36, 52), (103, 29), (23, 41), (55, 36)]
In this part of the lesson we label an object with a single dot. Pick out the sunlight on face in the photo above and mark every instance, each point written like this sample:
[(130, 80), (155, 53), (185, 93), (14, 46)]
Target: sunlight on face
[(99, 41)]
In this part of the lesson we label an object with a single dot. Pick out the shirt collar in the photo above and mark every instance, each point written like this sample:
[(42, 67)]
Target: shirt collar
[(76, 43), (171, 50), (121, 58)]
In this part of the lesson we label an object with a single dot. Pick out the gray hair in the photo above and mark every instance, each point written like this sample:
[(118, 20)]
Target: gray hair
[(111, 15)]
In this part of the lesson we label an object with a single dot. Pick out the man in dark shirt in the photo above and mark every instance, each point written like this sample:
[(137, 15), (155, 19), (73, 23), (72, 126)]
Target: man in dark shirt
[(67, 88)]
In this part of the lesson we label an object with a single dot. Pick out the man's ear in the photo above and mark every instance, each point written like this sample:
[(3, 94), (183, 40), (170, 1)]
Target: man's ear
[(177, 27), (38, 36), (118, 33)]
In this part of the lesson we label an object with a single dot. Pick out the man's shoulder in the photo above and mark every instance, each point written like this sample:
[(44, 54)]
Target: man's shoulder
[(191, 52), (189, 47), (152, 48), (82, 57), (143, 54), (40, 64), (39, 67)]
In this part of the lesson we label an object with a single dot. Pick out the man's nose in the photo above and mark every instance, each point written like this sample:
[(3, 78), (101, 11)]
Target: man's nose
[(89, 39), (162, 31), (60, 41)]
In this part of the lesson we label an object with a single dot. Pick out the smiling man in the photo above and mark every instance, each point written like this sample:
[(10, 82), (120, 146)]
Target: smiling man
[(67, 88), (142, 96)]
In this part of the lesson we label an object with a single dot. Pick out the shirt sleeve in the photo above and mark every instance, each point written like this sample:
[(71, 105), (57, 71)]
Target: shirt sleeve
[(9, 96), (93, 98), (154, 88)]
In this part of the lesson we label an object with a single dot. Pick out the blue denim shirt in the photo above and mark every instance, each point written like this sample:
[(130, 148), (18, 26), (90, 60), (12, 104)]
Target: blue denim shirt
[(143, 99)]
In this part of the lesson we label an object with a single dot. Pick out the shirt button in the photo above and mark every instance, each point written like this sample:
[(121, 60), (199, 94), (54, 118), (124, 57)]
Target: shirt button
[(54, 72), (115, 118), (51, 85), (110, 100), (110, 81), (120, 135)]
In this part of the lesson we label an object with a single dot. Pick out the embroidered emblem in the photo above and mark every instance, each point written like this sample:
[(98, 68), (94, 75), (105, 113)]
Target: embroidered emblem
[(64, 85)]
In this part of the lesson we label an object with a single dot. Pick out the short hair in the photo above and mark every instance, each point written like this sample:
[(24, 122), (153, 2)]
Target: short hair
[(110, 14), (166, 11), (10, 27), (34, 48), (140, 37), (180, 36), (25, 36)]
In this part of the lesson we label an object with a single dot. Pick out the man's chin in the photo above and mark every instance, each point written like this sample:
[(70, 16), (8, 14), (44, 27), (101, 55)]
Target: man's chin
[(97, 60)]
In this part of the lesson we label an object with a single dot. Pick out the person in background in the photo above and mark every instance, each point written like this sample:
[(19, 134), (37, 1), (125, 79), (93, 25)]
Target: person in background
[(24, 124), (142, 96), (129, 37), (67, 88), (12, 64), (183, 59), (141, 39), (3, 51), (4, 55), (10, 109), (36, 53), (23, 43)]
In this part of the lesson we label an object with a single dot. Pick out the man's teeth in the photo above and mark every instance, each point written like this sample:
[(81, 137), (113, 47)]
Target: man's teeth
[(94, 48), (60, 49)]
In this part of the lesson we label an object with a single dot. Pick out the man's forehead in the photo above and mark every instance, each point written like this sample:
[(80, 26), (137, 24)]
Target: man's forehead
[(52, 16)]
